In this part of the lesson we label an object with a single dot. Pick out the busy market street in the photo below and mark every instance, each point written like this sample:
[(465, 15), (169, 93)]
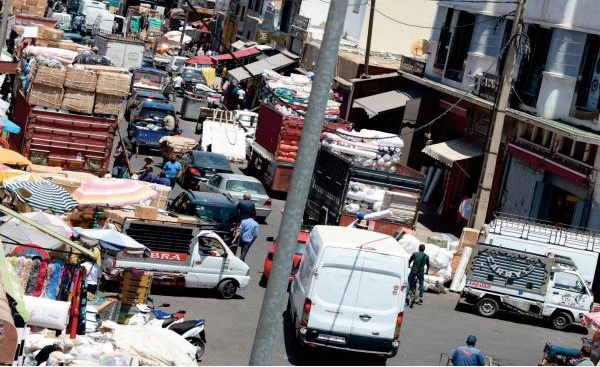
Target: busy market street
[(299, 182)]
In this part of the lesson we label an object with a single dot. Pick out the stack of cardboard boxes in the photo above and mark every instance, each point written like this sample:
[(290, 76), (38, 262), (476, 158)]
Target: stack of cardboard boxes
[(87, 89), (31, 7)]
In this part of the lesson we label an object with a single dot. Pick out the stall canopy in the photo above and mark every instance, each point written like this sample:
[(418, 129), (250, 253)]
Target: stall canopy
[(201, 59), (455, 150), (382, 102), (274, 62), (238, 54)]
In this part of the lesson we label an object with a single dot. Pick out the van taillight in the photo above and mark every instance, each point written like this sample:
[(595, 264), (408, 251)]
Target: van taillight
[(268, 202), (305, 312), (398, 325)]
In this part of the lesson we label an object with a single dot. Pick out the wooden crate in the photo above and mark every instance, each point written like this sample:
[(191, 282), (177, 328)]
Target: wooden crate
[(468, 237)]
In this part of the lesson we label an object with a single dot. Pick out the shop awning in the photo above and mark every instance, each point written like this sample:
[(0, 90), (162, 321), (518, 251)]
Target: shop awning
[(455, 150), (251, 51), (274, 62), (382, 102)]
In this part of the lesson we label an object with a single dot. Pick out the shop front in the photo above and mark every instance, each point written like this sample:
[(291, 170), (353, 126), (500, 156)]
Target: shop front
[(541, 187)]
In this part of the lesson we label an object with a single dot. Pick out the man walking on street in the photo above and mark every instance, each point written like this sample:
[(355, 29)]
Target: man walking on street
[(131, 143), (172, 169), (419, 260), (246, 207), (120, 163), (468, 355), (584, 357), (248, 234)]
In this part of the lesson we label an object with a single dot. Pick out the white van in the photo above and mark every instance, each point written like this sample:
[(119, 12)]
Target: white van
[(349, 291)]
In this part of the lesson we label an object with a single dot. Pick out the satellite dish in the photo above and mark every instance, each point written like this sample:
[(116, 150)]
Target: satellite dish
[(420, 47)]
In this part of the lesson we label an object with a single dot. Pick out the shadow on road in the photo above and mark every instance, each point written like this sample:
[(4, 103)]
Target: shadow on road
[(319, 357), (520, 319), (188, 292)]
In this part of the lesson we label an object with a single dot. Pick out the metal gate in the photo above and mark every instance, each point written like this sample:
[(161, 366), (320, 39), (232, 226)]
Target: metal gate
[(520, 188)]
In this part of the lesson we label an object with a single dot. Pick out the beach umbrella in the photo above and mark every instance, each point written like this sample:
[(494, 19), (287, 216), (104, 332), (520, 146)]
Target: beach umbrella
[(9, 126), (113, 192), (7, 172), (112, 240), (591, 320), (42, 195), (175, 36), (8, 156), (17, 231)]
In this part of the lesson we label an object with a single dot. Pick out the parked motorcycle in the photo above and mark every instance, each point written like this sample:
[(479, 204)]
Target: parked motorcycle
[(191, 330)]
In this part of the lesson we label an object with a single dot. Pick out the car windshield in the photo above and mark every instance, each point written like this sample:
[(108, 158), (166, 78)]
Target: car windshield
[(193, 74), (245, 186), (215, 213), (247, 118), (154, 112), (212, 161), (179, 62)]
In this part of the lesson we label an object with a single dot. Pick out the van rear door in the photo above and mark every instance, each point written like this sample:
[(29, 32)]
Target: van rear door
[(334, 292), (379, 298)]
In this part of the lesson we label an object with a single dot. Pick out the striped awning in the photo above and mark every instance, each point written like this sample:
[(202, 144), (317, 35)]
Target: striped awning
[(43, 196), (451, 151)]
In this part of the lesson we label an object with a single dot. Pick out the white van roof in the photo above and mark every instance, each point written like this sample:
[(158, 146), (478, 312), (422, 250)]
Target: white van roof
[(353, 238)]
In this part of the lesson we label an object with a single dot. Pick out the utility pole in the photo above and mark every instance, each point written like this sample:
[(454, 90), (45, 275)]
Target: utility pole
[(185, 24), (497, 123), (369, 35), (4, 23), (269, 322)]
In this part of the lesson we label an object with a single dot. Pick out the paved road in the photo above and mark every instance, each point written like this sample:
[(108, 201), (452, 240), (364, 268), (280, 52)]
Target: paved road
[(428, 330)]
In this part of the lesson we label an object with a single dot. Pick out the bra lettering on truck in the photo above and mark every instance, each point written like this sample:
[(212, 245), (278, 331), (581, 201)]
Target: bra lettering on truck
[(169, 256)]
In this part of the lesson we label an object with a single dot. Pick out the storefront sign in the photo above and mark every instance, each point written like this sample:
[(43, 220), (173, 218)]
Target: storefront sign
[(412, 66), (488, 86)]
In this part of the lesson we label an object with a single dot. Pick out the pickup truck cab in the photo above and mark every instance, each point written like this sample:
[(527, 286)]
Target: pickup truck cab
[(140, 96), (182, 256), (148, 125), (147, 78)]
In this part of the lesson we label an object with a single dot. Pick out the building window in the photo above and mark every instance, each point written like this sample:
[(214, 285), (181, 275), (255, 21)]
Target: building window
[(461, 42), (356, 6), (588, 91), (443, 42), (533, 65)]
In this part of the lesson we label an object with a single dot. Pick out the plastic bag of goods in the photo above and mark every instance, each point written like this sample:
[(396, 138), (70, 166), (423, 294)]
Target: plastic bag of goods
[(409, 243)]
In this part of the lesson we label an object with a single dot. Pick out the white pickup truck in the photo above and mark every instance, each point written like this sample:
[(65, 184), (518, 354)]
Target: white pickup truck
[(183, 256)]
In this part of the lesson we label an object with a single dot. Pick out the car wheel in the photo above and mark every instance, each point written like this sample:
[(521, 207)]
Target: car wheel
[(200, 347), (561, 320), (263, 281), (487, 307), (227, 289)]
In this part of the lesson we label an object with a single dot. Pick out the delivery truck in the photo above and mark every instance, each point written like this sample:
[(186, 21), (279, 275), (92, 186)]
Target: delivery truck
[(186, 255), (271, 154), (534, 236), (333, 179), (126, 52), (545, 286), (72, 141)]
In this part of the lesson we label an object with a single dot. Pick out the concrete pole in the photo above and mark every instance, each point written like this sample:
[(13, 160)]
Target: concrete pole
[(497, 124), (185, 24), (4, 24), (369, 36), (269, 322)]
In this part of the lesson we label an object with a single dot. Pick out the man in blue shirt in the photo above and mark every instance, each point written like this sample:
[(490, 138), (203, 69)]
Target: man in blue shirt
[(468, 355), (172, 169), (248, 234)]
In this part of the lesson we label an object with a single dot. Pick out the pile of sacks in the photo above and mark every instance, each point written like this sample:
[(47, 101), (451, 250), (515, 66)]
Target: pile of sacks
[(361, 196), (440, 261), (367, 148)]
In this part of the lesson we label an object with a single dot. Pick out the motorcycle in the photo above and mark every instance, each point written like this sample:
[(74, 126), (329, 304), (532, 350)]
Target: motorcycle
[(191, 330)]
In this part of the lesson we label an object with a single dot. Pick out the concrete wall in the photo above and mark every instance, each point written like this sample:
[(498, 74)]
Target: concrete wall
[(316, 11), (390, 36), (354, 21)]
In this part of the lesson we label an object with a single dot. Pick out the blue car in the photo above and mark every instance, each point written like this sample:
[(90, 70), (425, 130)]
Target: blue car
[(148, 125)]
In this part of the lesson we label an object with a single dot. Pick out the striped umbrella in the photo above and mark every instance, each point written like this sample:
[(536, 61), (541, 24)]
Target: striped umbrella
[(113, 192), (43, 195)]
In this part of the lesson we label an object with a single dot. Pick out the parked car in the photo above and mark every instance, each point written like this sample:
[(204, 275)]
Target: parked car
[(198, 166), (302, 239), (190, 77), (177, 62), (140, 96), (235, 186), (147, 123), (209, 207)]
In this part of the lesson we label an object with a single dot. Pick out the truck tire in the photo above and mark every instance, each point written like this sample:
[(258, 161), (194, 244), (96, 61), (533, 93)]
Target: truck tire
[(561, 320), (227, 288), (487, 307)]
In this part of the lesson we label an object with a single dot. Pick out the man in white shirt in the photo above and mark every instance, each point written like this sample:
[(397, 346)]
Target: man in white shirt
[(241, 97), (93, 275)]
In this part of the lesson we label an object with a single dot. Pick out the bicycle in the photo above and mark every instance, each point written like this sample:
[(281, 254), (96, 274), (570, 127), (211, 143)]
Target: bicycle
[(413, 294)]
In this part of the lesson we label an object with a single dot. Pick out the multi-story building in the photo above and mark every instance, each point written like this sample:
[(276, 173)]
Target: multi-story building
[(549, 152)]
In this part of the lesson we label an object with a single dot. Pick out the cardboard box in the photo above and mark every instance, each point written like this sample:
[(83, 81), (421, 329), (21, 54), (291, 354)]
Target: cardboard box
[(113, 84), (108, 105), (468, 237), (45, 96), (68, 45), (80, 79), (50, 34), (146, 212), (78, 101), (51, 77), (117, 84)]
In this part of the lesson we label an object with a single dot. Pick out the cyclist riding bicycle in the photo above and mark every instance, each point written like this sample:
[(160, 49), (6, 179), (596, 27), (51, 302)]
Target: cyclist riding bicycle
[(419, 261)]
